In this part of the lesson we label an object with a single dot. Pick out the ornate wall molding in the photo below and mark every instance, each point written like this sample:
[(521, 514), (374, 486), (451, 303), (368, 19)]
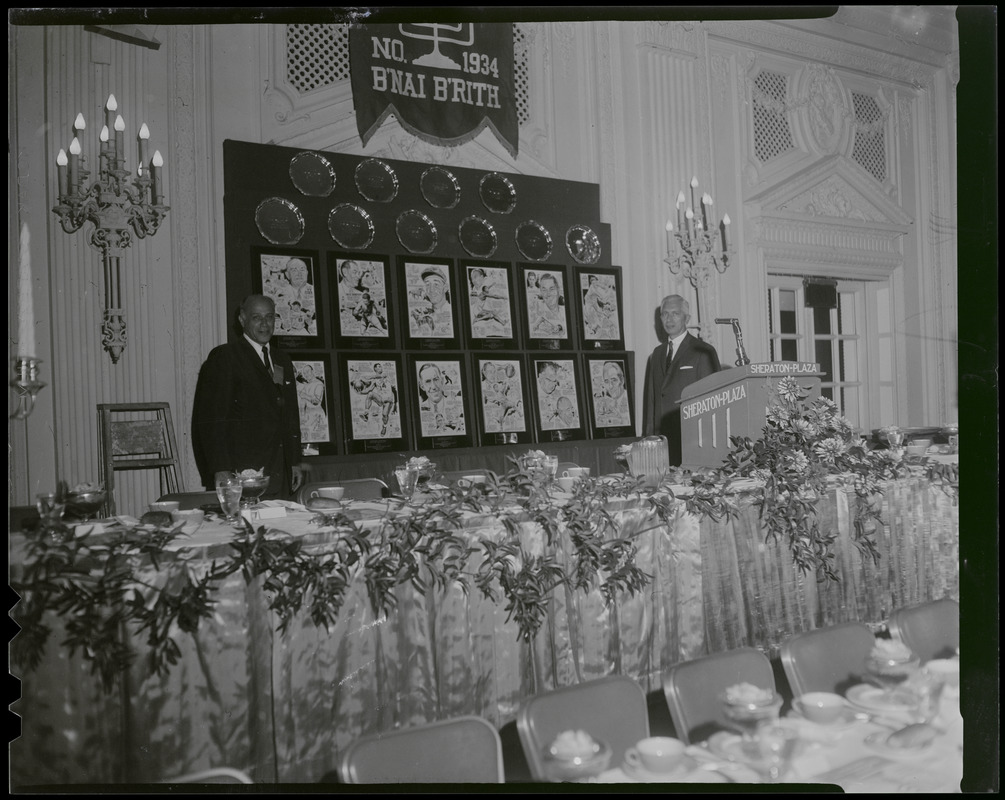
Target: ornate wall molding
[(833, 197), (685, 38)]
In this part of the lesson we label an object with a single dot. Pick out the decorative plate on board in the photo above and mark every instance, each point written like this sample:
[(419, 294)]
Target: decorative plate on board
[(416, 232), (312, 174), (440, 187), (477, 236), (376, 180), (497, 193), (279, 221), (533, 240), (583, 244), (350, 226)]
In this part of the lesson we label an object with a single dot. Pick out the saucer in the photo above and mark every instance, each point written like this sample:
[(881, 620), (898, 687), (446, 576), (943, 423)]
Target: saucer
[(640, 773), (846, 719), (728, 746)]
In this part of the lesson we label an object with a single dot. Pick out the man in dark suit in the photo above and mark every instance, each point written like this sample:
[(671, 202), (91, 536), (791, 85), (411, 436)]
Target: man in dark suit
[(673, 365), (245, 414)]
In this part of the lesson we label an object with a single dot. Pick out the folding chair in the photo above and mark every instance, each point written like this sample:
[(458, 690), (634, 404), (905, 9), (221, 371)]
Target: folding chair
[(460, 750), (692, 689), (611, 709), (827, 659), (136, 442), (931, 630)]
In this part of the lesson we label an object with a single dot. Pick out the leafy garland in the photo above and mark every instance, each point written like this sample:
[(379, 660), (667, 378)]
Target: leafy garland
[(94, 583)]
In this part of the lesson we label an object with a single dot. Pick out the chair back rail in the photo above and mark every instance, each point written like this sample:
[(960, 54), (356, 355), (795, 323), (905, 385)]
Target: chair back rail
[(830, 659), (692, 689), (931, 629), (464, 749), (612, 709)]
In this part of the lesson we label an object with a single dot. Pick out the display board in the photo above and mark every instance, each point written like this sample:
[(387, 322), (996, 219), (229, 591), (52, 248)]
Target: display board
[(389, 273)]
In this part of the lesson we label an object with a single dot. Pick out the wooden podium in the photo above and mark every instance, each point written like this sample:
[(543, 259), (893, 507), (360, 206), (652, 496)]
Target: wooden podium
[(733, 402)]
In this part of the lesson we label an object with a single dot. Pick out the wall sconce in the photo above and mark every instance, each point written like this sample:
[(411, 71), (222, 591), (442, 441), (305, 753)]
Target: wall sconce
[(115, 205), (695, 248)]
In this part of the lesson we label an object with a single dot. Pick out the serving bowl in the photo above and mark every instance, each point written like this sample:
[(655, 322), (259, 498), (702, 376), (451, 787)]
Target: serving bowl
[(252, 488), (820, 707), (85, 504)]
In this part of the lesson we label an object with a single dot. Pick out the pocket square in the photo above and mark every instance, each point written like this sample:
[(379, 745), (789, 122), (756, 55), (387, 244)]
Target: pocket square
[(686, 366)]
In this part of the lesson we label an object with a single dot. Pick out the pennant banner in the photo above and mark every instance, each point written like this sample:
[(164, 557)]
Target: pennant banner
[(443, 81)]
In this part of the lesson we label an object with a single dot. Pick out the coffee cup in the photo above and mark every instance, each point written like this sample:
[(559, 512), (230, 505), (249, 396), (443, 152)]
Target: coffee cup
[(329, 492), (657, 754), (576, 472), (566, 484), (191, 519), (165, 505)]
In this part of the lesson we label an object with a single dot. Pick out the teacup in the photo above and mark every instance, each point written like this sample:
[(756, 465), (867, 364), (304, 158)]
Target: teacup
[(658, 754), (566, 484), (820, 707), (576, 472), (329, 492), (471, 480), (169, 506)]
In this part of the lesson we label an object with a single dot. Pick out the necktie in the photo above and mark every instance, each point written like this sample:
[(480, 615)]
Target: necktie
[(666, 367), (268, 361)]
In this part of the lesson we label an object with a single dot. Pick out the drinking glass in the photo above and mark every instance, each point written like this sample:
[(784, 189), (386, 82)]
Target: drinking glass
[(228, 492), (747, 715), (895, 436), (50, 507), (406, 481), (777, 745), (889, 671), (551, 467)]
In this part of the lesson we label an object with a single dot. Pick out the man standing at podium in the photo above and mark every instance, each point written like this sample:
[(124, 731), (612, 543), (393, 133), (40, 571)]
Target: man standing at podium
[(680, 361)]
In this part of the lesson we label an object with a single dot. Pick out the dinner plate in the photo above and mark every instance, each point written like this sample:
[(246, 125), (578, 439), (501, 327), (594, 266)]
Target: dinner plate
[(640, 773), (872, 698)]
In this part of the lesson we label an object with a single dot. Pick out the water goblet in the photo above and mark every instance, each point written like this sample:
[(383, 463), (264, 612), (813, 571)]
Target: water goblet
[(777, 744), (749, 710), (229, 492), (891, 670), (407, 477), (895, 437), (252, 489)]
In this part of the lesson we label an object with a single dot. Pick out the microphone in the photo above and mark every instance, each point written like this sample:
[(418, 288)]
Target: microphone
[(742, 358), (726, 320)]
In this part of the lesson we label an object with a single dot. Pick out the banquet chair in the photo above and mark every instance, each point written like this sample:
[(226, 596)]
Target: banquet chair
[(464, 749), (128, 439), (189, 500), (612, 709), (692, 689), (828, 659), (214, 775), (931, 630), (355, 489)]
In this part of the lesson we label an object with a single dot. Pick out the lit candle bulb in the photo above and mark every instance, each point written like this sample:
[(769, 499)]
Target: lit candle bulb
[(671, 244), (144, 137), (155, 169), (725, 224), (706, 206), (78, 123), (120, 127), (110, 108), (61, 162), (694, 185), (74, 163)]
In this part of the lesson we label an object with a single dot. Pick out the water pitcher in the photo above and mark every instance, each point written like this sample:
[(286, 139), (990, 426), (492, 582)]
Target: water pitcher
[(650, 459)]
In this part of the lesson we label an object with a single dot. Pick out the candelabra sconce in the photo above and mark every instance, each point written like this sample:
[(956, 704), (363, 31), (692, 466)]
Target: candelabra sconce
[(118, 206), (697, 248), (27, 385)]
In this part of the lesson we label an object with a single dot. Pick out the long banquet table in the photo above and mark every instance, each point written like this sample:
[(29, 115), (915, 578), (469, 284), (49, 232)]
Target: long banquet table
[(281, 705)]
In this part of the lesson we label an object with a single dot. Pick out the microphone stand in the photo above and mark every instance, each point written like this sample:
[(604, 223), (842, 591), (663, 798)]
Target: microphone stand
[(741, 354)]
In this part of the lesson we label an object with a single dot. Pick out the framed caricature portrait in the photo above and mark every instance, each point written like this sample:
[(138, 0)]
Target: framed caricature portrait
[(372, 403), (609, 386), (545, 308), (598, 306), (486, 289), (361, 301), (501, 398), (558, 400), (290, 278), (439, 401), (315, 403), (430, 320)]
